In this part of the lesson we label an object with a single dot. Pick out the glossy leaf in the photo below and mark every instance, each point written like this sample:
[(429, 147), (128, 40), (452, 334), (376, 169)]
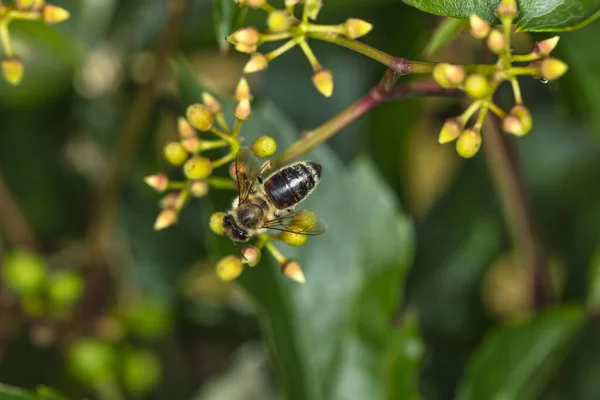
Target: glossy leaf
[(534, 15), (12, 393), (516, 362), (442, 35)]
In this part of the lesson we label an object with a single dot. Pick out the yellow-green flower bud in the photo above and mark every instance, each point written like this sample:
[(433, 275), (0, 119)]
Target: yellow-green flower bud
[(198, 188), (175, 153), (507, 9), (312, 8), (552, 68), (468, 143), (141, 371), (242, 90), (323, 81), (199, 116), (248, 36), (356, 28), (197, 168), (65, 289), (158, 182), (307, 220), (256, 3), (13, 70), (23, 4), (545, 47), (216, 223), (184, 128), (245, 48), (92, 361), (24, 271), (229, 268), (192, 144), (479, 27), (292, 270), (169, 200), (450, 131), (264, 146), (251, 255), (292, 238), (258, 62), (53, 14), (496, 41), (477, 86), (166, 218), (243, 110), (524, 116), (278, 21), (211, 103), (448, 75)]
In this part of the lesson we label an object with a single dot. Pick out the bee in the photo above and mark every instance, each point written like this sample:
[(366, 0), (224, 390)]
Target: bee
[(270, 203)]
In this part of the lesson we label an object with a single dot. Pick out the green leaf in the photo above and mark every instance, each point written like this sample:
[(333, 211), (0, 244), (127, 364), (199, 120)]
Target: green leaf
[(46, 393), (443, 34), (594, 280), (516, 362), (222, 17), (330, 338), (534, 15), (13, 393)]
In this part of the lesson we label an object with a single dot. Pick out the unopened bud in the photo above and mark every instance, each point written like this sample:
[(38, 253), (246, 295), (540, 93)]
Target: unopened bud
[(165, 219), (169, 200), (524, 116), (293, 238), (450, 131), (175, 153), (211, 103), (248, 36), (512, 125), (251, 255), (292, 270), (507, 8), (158, 182), (356, 28), (552, 68), (545, 47), (477, 86), (312, 8), (448, 75), (198, 188), (264, 146), (256, 3), (468, 143), (23, 4), (199, 116), (245, 48), (13, 70), (496, 41), (307, 220), (479, 27), (278, 21), (323, 81), (243, 110), (53, 14), (184, 128), (291, 3), (242, 90), (216, 223), (192, 144), (197, 168), (229, 268), (258, 62)]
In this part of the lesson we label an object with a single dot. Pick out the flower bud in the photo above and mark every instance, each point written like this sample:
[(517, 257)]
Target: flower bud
[(169, 200), (307, 220), (258, 62), (197, 168), (512, 125), (53, 14), (216, 223), (92, 361), (24, 271), (552, 68), (278, 21), (468, 143), (312, 8), (292, 270), (264, 146), (229, 268), (211, 103), (184, 128), (243, 110), (245, 48), (251, 255), (479, 27), (256, 3), (198, 188), (199, 116), (65, 289), (165, 219), (448, 75), (291, 3), (292, 238), (450, 131), (192, 144), (248, 36), (13, 70), (356, 28), (523, 123), (141, 371), (323, 81), (175, 153), (545, 47), (158, 182), (496, 41), (507, 8), (23, 4), (477, 86), (242, 90)]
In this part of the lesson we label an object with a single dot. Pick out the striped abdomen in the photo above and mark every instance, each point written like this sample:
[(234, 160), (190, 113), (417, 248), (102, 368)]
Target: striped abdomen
[(290, 185)]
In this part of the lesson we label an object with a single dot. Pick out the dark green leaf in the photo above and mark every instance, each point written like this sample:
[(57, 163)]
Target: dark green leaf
[(13, 393), (45, 393), (222, 17), (534, 15), (594, 280), (516, 362), (443, 34)]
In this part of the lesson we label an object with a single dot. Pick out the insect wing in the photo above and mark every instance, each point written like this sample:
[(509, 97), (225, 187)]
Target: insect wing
[(302, 222), (247, 169)]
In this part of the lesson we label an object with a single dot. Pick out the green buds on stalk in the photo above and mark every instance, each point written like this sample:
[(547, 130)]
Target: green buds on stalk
[(448, 75), (468, 143), (264, 146), (229, 268)]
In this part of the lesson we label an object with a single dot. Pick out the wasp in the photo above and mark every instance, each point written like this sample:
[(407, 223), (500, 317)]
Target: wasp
[(270, 203)]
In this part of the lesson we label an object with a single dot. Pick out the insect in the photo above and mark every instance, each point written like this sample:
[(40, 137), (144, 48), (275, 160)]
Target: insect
[(270, 203)]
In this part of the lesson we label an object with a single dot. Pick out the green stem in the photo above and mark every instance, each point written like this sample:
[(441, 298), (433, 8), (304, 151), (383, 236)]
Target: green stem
[(212, 144), (516, 90), (496, 110), (5, 39), (221, 183), (525, 57), (524, 71), (337, 29), (273, 37), (281, 49), (312, 59), (223, 160)]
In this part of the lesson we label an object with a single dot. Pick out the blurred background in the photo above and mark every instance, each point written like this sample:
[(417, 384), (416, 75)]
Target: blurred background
[(416, 271)]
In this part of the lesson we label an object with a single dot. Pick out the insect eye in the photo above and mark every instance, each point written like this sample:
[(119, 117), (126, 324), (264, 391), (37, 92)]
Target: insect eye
[(227, 220)]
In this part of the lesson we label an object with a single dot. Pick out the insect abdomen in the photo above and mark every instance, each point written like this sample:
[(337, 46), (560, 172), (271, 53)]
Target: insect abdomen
[(289, 186)]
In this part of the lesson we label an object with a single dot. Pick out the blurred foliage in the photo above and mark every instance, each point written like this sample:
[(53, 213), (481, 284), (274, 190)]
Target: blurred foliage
[(401, 291)]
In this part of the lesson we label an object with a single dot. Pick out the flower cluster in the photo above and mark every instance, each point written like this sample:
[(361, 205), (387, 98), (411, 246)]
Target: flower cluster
[(189, 153), (481, 81), (12, 66), (283, 24)]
